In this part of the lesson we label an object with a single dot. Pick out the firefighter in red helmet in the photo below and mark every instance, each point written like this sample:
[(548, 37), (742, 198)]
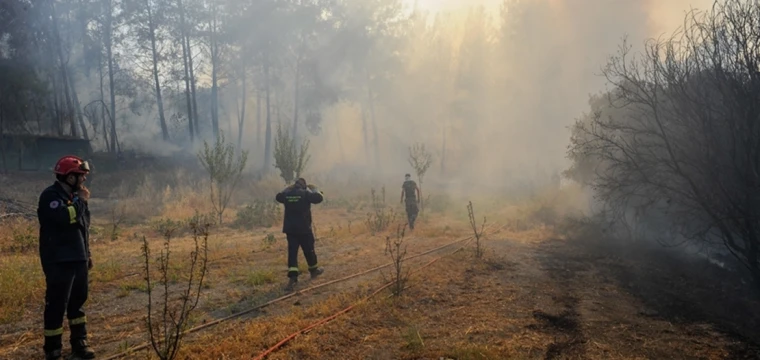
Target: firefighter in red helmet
[(65, 255)]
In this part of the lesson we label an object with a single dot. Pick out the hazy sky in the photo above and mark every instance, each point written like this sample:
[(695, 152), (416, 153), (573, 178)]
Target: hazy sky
[(448, 5), (665, 15)]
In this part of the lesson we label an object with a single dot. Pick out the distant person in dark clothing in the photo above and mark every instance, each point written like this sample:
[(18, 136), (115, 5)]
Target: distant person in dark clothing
[(297, 199), (64, 218), (410, 194)]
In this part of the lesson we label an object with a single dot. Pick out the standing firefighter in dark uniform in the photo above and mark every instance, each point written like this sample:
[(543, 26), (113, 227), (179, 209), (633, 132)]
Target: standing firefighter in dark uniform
[(410, 193), (297, 227), (65, 255)]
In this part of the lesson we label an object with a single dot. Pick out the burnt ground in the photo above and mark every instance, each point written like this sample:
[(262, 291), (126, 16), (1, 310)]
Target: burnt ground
[(535, 299), (686, 291), (662, 297)]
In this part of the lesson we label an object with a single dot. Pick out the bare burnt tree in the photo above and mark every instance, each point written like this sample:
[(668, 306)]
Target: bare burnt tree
[(478, 234), (396, 249), (683, 135), (168, 318)]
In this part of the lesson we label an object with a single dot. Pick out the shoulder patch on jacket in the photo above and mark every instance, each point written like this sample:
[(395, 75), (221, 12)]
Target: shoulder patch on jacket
[(54, 204)]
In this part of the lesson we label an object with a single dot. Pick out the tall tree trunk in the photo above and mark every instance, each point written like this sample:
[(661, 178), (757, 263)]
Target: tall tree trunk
[(277, 108), (229, 121), (86, 44), (188, 95), (78, 109), (214, 71), (103, 109), (339, 137), (296, 97), (194, 96), (185, 64), (64, 72), (56, 108), (443, 152), (72, 81), (375, 141), (105, 127), (268, 134), (2, 146), (365, 133), (157, 83), (52, 104), (38, 118), (111, 71), (258, 119), (244, 96)]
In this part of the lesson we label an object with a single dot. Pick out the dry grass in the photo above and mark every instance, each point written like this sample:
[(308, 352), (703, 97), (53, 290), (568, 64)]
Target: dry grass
[(495, 309), (21, 283), (246, 267), (18, 235), (502, 307), (446, 315)]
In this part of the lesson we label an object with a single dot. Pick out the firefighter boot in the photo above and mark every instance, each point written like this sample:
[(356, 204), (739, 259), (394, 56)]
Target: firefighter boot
[(79, 347), (291, 284), (81, 350), (52, 347), (316, 272)]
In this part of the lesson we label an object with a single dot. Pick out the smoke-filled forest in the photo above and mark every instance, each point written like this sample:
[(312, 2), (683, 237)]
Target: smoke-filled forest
[(362, 78), (577, 179)]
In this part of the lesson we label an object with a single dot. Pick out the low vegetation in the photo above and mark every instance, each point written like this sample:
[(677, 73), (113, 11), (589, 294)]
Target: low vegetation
[(245, 262), (396, 249), (647, 247), (259, 214), (224, 166), (382, 216), (168, 318), (420, 159), (476, 233), (290, 157)]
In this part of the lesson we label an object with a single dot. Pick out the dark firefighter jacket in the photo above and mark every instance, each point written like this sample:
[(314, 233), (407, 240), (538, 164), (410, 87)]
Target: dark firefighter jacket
[(298, 209), (64, 226)]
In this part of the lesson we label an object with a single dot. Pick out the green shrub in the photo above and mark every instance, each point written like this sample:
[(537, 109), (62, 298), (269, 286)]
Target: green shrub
[(259, 214)]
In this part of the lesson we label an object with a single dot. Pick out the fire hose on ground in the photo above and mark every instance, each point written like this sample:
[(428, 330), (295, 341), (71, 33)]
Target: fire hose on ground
[(311, 288), (347, 309)]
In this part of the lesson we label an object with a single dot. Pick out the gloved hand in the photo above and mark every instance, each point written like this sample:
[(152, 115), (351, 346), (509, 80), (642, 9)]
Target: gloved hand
[(89, 264)]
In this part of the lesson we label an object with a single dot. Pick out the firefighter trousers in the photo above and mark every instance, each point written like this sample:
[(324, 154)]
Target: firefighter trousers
[(66, 292), (306, 243), (411, 213)]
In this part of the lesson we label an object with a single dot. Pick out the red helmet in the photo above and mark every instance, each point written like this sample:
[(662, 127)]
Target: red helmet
[(71, 164)]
